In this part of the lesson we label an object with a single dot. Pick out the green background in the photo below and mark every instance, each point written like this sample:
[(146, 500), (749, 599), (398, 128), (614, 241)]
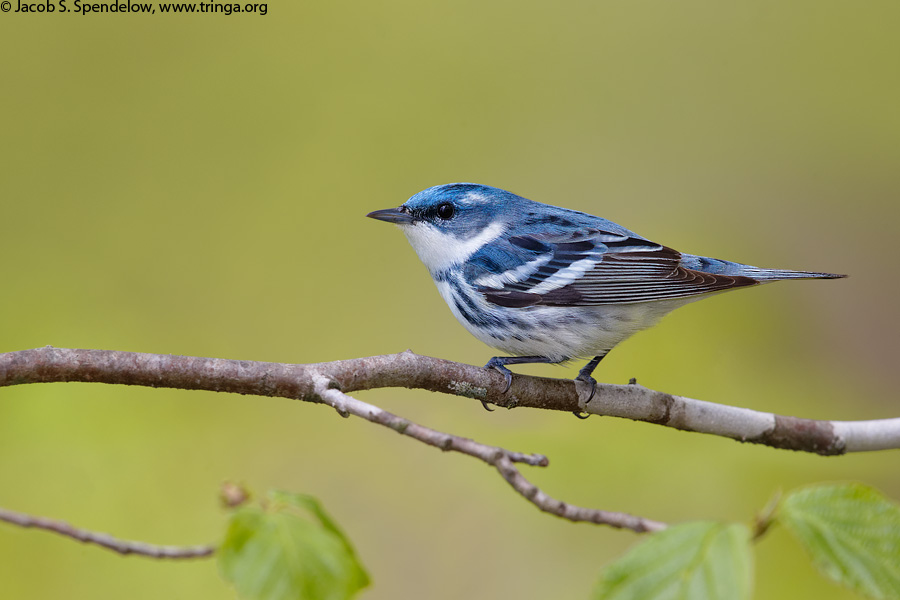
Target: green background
[(197, 185)]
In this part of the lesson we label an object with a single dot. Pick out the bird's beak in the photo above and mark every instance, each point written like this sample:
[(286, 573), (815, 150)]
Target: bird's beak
[(392, 215)]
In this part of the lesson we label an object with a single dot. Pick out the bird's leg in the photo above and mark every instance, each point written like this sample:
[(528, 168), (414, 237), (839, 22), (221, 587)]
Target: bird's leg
[(584, 375), (499, 363)]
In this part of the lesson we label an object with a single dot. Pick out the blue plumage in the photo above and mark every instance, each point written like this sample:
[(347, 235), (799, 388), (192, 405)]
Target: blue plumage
[(548, 284)]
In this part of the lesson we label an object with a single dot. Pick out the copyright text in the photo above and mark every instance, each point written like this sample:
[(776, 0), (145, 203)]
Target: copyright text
[(128, 7)]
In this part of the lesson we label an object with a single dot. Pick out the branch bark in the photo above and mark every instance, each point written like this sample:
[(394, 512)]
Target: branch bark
[(413, 371)]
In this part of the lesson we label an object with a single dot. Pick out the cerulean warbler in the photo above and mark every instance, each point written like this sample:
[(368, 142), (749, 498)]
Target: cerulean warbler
[(548, 284)]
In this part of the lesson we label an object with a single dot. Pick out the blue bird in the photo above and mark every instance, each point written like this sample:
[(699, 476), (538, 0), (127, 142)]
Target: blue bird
[(548, 284)]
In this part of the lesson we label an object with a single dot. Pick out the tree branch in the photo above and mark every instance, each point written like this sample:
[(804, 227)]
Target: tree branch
[(499, 458), (413, 371), (147, 369), (105, 540)]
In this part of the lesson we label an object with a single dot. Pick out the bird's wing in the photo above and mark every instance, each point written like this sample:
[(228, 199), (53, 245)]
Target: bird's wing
[(587, 267)]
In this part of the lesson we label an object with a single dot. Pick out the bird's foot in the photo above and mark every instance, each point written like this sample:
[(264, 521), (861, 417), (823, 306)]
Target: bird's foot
[(498, 364), (587, 380)]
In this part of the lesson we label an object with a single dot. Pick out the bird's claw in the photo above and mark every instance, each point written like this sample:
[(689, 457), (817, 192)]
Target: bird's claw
[(486, 407), (496, 364), (587, 379)]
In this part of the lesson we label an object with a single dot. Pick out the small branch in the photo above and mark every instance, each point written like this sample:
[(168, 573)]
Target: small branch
[(499, 458), (347, 405), (106, 540), (413, 371), (569, 511)]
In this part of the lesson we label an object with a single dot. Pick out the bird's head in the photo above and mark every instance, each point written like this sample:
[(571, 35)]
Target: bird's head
[(446, 224)]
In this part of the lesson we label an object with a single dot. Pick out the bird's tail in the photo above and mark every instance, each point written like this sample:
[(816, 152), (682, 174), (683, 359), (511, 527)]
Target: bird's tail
[(715, 266), (777, 274)]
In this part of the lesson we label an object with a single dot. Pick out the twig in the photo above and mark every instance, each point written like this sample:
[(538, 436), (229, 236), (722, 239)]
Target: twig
[(499, 458), (413, 371), (105, 540)]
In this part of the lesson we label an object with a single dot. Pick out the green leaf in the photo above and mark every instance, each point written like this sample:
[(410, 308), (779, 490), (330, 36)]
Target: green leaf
[(291, 549), (852, 533), (307, 502), (692, 561)]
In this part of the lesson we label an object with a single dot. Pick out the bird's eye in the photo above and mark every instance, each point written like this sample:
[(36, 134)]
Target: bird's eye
[(445, 211)]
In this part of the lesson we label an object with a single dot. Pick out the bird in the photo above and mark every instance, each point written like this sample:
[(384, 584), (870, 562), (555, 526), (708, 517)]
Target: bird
[(546, 284)]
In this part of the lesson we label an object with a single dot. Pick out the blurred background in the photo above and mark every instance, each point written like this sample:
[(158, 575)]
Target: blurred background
[(197, 185)]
